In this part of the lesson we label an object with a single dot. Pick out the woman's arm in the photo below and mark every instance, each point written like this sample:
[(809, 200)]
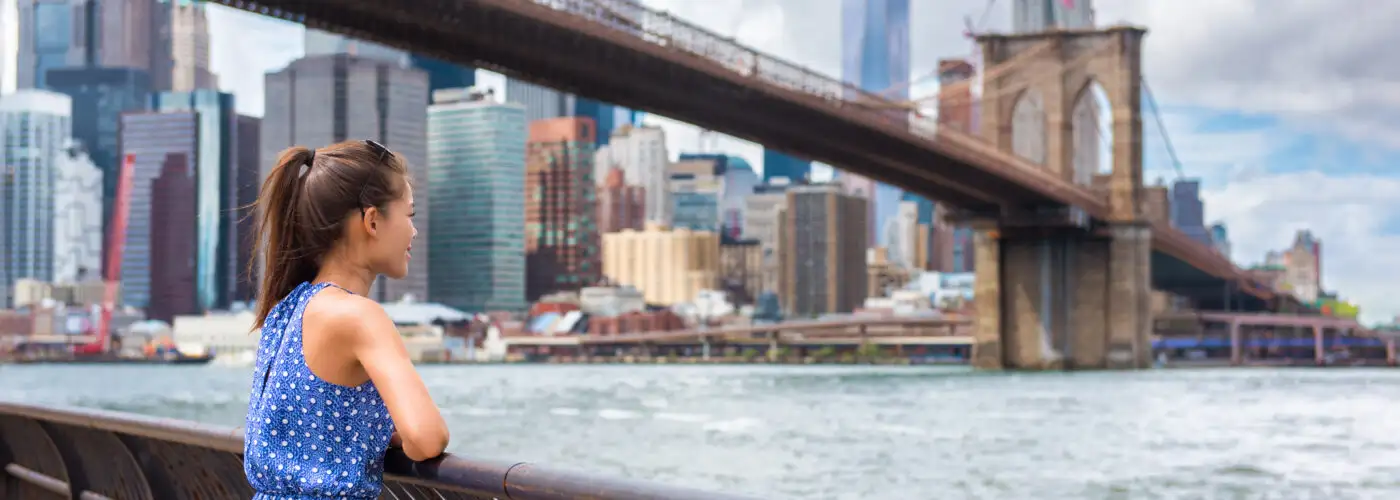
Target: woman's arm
[(380, 349)]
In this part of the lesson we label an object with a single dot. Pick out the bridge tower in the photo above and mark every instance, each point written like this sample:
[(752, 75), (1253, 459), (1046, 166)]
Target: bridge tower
[(1064, 290)]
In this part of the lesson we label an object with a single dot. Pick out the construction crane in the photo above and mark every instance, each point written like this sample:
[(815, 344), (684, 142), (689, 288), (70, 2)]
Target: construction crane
[(112, 274)]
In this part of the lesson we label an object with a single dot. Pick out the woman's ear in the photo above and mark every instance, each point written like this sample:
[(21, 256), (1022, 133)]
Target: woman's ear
[(371, 220)]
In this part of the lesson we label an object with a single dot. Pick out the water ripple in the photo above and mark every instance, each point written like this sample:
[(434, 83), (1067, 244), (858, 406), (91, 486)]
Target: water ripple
[(871, 432)]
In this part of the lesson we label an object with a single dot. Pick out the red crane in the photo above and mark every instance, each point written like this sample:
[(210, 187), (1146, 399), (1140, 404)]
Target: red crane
[(116, 238)]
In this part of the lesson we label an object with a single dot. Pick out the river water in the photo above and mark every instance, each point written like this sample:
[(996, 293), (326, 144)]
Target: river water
[(871, 432)]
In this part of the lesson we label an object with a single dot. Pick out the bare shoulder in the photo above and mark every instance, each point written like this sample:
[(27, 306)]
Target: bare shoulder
[(346, 314)]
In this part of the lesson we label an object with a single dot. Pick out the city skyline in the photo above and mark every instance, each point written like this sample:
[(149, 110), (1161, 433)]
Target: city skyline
[(1267, 166), (1228, 147)]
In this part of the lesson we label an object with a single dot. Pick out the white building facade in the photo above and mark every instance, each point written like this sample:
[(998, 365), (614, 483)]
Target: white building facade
[(77, 227), (640, 152), (34, 127)]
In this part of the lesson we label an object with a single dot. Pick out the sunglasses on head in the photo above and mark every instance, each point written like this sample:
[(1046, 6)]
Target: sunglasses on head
[(382, 153), (378, 149)]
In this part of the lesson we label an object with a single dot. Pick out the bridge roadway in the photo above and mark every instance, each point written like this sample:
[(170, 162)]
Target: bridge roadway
[(622, 52), (949, 331), (948, 338)]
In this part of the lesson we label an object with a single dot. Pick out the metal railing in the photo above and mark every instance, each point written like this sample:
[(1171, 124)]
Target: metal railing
[(77, 453), (666, 30)]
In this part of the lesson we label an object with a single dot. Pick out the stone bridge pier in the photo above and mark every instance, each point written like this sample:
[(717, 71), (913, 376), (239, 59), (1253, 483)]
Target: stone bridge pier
[(1063, 299), (1056, 287)]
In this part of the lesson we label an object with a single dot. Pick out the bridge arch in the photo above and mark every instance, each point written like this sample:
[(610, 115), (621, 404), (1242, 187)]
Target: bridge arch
[(1028, 128), (1091, 121), (1065, 68)]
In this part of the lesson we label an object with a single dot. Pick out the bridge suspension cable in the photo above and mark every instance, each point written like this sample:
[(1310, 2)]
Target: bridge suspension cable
[(1162, 129)]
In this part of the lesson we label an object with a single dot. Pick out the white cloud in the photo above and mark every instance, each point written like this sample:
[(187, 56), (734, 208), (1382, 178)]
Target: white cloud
[(1319, 64), (1347, 212)]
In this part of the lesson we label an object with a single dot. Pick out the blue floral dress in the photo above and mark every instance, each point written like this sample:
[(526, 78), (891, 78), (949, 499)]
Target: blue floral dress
[(305, 437)]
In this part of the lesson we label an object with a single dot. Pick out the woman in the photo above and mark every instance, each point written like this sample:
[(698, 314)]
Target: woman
[(332, 379)]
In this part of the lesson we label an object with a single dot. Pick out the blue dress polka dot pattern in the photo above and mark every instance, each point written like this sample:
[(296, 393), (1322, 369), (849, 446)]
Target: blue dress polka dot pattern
[(305, 437)]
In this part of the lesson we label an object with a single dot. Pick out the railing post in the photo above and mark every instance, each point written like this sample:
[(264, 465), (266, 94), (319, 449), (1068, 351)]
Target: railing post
[(9, 485)]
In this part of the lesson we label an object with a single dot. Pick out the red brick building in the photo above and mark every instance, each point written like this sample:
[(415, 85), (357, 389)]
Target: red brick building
[(561, 229), (620, 206)]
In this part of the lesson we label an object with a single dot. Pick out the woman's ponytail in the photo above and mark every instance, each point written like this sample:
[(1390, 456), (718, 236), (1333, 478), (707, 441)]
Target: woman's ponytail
[(283, 262)]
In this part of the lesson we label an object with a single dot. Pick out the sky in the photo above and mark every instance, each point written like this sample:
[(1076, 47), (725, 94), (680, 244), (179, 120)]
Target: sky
[(1287, 110), (9, 44)]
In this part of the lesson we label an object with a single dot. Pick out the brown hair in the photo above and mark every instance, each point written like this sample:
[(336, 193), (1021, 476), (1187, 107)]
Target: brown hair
[(304, 203)]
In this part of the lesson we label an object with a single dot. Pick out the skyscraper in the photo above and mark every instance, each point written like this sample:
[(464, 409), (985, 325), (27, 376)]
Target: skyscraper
[(561, 235), (188, 45), (46, 40), (326, 99), (1028, 16), (153, 139), (476, 175), (123, 34), (1188, 211), (169, 39), (173, 218), (541, 103), (247, 181), (441, 74), (34, 133), (826, 272), (215, 164), (875, 57)]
